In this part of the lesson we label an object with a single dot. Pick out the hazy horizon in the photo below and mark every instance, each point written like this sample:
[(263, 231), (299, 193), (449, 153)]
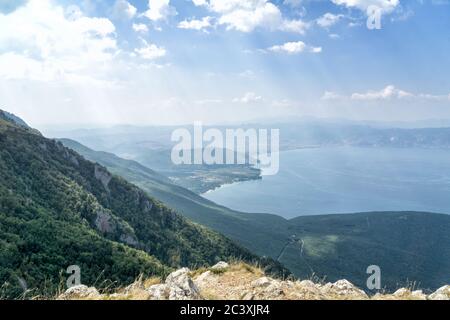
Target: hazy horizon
[(176, 62)]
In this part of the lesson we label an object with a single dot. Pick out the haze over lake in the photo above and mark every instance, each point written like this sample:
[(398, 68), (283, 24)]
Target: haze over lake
[(345, 180)]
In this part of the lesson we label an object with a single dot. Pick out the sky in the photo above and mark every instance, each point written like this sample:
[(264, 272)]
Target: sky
[(92, 62)]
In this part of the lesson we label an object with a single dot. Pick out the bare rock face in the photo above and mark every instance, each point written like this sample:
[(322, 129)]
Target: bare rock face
[(178, 286), (406, 294), (442, 293), (103, 176), (129, 240), (204, 278), (159, 292), (80, 292), (181, 286), (307, 290), (343, 288), (74, 160), (307, 284), (268, 289), (104, 223), (275, 290), (401, 292), (220, 266), (262, 282), (418, 295)]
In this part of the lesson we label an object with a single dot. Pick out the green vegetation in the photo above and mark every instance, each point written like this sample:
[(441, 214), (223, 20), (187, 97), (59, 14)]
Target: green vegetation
[(408, 246), (58, 209)]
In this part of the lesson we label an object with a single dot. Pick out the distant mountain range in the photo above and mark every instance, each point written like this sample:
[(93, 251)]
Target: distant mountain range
[(408, 246), (141, 143)]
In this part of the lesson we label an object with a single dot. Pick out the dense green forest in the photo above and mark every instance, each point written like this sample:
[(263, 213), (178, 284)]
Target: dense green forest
[(58, 209)]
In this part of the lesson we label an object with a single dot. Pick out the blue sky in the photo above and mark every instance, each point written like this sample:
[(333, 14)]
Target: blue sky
[(167, 62)]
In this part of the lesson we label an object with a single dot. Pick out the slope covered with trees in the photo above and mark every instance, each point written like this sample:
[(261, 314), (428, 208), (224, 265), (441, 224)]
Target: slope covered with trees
[(58, 209)]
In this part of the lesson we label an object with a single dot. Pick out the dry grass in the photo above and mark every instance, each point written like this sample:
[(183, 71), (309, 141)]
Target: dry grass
[(237, 282)]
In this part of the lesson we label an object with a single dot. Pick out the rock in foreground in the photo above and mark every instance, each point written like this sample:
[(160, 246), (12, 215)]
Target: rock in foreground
[(241, 282)]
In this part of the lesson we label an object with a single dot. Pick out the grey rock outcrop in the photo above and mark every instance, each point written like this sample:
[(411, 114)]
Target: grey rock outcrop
[(80, 292), (343, 288), (178, 286), (442, 293), (103, 176), (220, 266)]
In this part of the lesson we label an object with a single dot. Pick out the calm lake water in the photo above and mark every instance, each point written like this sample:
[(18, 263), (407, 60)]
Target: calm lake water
[(346, 180)]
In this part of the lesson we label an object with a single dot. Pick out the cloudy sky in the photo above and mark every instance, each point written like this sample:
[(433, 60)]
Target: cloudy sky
[(94, 62)]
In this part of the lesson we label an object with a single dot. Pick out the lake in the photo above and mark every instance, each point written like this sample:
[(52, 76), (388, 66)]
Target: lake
[(346, 180)]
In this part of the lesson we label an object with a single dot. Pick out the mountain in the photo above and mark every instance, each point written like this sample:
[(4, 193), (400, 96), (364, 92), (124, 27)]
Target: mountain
[(408, 246), (149, 145), (58, 209)]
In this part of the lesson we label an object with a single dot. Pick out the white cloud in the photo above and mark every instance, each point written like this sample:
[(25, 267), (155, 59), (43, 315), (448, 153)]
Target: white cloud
[(294, 48), (434, 97), (290, 47), (329, 95), (329, 19), (295, 26), (390, 92), (150, 51), (386, 5), (200, 2), (249, 74), (159, 10), (140, 27), (249, 97), (122, 9), (247, 15), (246, 18), (194, 24), (42, 41)]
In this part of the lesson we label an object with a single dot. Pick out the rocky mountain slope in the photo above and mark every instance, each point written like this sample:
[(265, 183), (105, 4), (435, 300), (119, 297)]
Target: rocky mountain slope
[(58, 209), (240, 281)]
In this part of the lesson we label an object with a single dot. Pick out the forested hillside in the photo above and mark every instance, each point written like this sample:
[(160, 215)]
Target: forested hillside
[(58, 209)]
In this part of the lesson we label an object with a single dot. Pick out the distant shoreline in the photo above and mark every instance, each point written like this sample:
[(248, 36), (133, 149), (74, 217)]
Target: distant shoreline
[(225, 185)]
